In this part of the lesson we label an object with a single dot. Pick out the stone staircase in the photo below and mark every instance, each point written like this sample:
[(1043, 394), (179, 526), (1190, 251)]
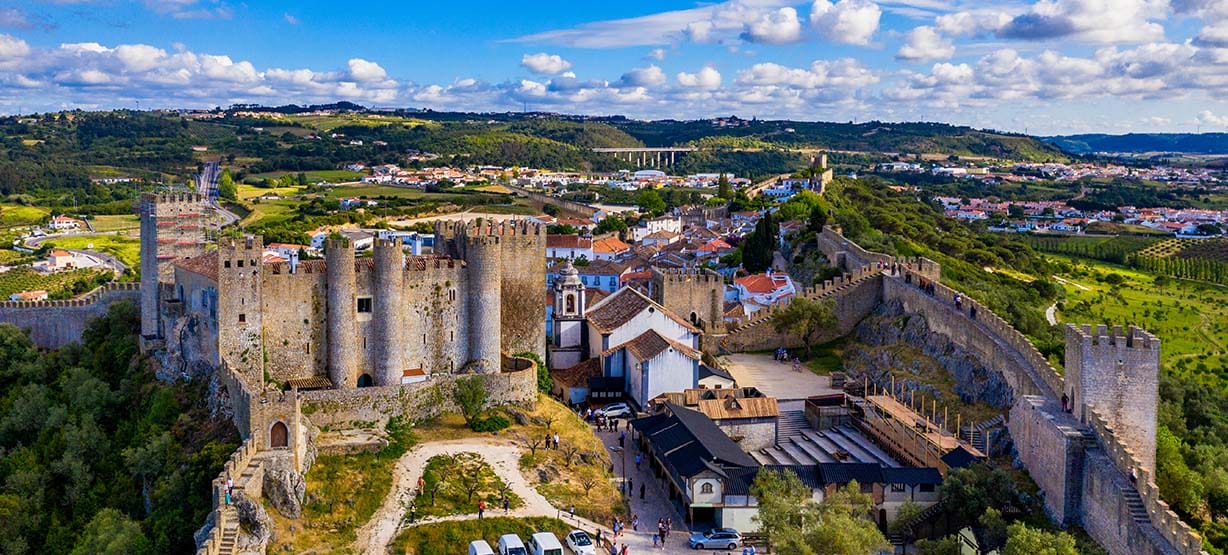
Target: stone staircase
[(230, 531), (790, 424)]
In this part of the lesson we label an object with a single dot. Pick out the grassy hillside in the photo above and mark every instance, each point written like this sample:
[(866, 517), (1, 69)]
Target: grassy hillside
[(1192, 143)]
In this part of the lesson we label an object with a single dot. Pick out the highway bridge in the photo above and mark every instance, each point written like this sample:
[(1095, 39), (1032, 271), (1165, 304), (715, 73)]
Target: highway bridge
[(653, 157)]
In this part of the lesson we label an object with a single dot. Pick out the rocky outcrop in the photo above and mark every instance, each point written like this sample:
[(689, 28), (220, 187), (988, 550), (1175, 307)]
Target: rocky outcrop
[(283, 487), (255, 526), (889, 326)]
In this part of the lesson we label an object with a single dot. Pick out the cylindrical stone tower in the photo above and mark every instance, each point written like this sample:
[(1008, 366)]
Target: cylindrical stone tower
[(484, 260), (342, 329), (389, 288)]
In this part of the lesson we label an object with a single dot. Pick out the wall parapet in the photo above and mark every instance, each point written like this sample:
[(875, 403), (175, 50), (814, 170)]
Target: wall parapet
[(84, 300), (1184, 538), (220, 512)]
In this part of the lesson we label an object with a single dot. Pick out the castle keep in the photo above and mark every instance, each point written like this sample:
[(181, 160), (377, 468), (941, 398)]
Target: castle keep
[(370, 321)]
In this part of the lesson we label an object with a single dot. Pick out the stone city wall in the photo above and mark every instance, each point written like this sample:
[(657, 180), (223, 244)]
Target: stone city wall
[(1111, 524), (855, 296), (222, 514), (567, 206), (988, 336), (842, 253), (1051, 446), (417, 401), (53, 324)]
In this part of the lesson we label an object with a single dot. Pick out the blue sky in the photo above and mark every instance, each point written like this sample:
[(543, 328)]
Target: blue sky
[(1044, 66)]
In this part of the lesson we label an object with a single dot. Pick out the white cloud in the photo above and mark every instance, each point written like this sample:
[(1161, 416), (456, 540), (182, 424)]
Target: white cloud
[(139, 57), (971, 24), (778, 27), (847, 73), (651, 76), (707, 78), (14, 18), (545, 64), (1207, 117), (1214, 35), (364, 71), (698, 31), (846, 21), (12, 47), (290, 19), (1103, 21), (924, 44), (657, 54)]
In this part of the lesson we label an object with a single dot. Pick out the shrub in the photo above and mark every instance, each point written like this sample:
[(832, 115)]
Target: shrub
[(490, 424)]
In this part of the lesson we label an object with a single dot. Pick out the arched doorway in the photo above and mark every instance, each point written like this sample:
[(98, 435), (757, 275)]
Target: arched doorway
[(365, 381), (278, 436)]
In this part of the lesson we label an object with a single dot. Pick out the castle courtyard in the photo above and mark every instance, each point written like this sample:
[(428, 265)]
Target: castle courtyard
[(774, 378)]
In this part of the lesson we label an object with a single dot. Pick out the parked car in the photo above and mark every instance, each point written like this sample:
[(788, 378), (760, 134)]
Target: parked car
[(480, 547), (616, 410), (720, 538), (580, 543), (510, 544), (544, 543)]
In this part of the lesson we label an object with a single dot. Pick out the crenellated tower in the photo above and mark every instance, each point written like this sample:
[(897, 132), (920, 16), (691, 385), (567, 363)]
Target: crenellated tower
[(1118, 372), (341, 313), (695, 294), (240, 296), (485, 265), (389, 311), (172, 226), (522, 254)]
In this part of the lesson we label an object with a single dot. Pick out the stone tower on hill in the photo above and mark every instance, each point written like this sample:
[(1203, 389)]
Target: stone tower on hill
[(172, 226), (695, 294), (1116, 372), (520, 271), (240, 318)]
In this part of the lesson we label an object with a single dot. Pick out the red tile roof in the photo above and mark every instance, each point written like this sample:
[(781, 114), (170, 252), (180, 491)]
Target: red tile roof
[(760, 283), (624, 305), (205, 265), (610, 245), (568, 242), (650, 344)]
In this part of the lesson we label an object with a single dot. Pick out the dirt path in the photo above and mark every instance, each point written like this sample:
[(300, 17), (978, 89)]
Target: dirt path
[(1066, 281), (503, 456)]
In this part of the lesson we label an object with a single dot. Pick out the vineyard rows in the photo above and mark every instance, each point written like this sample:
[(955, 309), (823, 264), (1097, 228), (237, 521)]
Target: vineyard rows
[(1201, 259)]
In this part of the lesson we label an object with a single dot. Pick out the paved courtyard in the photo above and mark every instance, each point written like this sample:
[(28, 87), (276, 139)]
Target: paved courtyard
[(776, 379)]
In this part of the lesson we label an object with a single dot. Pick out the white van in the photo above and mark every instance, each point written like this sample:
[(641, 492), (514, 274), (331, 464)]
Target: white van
[(544, 543), (510, 544), (480, 547)]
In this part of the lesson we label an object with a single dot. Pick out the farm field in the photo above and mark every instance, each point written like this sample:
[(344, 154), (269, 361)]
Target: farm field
[(122, 222), (248, 192), (60, 285), (512, 209), (270, 211), (1189, 317), (331, 122), (332, 176), (1207, 249), (12, 215), (126, 249)]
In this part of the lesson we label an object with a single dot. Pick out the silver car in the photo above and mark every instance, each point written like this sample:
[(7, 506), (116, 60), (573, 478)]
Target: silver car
[(719, 538)]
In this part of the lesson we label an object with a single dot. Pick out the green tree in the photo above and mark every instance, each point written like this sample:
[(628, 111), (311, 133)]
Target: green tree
[(723, 189), (969, 491), (806, 318), (818, 219), (111, 532), (226, 186), (650, 202), (1023, 540), (609, 224), (470, 395), (949, 545), (795, 523)]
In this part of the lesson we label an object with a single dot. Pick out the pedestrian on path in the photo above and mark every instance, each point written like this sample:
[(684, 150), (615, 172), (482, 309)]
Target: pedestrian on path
[(572, 511), (413, 513), (655, 541), (622, 437), (506, 504), (624, 549), (638, 458), (635, 523), (481, 508), (556, 441), (641, 490)]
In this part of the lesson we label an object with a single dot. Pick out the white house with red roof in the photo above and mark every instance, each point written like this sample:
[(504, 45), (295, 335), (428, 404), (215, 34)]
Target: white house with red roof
[(61, 223), (760, 291)]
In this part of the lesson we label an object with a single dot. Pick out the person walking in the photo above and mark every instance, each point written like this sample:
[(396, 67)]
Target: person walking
[(622, 438), (630, 485), (481, 509), (556, 441), (638, 458), (641, 490), (635, 523), (506, 504), (656, 541), (413, 513), (624, 549)]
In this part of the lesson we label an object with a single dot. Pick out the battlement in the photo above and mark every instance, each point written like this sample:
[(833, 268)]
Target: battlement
[(168, 198), (680, 275), (486, 227), (1179, 534), (1100, 336), (85, 300), (246, 243), (337, 242)]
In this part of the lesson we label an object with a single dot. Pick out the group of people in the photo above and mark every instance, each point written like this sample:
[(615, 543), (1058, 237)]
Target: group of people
[(664, 525), (603, 424), (552, 442), (782, 355)]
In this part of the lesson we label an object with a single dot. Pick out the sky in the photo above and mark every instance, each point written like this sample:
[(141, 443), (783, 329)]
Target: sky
[(1043, 67)]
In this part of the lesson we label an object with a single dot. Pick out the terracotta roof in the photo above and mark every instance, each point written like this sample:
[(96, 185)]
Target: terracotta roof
[(620, 307), (568, 242), (315, 382), (60, 252), (650, 344), (759, 283), (661, 235), (578, 375), (734, 407), (411, 372), (205, 265), (715, 245), (610, 245)]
